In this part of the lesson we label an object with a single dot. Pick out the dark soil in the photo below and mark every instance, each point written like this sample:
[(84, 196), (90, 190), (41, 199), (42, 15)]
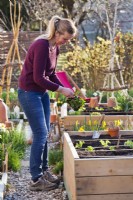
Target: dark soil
[(106, 111), (116, 147)]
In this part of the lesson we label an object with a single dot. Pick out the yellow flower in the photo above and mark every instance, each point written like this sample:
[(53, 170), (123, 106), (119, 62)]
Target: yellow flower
[(81, 129), (104, 124), (118, 122)]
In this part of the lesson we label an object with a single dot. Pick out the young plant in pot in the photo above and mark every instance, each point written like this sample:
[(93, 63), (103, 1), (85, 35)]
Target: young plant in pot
[(76, 103)]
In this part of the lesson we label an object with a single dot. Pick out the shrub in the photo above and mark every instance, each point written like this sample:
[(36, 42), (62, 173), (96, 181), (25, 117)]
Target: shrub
[(56, 160), (14, 161), (15, 145)]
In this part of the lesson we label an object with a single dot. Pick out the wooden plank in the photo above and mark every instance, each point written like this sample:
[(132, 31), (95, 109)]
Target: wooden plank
[(90, 133), (85, 133), (71, 119), (69, 167), (104, 166), (70, 145), (81, 118), (106, 197), (104, 185)]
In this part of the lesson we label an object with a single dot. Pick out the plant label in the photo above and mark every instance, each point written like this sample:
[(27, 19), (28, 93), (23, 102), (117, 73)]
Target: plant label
[(95, 135)]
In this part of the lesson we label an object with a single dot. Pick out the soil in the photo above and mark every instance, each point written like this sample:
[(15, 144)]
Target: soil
[(106, 111), (116, 146)]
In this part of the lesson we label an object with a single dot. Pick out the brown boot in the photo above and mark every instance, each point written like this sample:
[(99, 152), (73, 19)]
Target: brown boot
[(42, 185), (50, 177)]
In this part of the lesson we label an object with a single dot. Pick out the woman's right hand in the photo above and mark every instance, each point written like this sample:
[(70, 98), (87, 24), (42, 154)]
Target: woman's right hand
[(66, 91)]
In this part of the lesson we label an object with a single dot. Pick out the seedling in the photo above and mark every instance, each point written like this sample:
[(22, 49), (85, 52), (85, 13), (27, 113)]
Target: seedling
[(129, 143), (112, 148), (105, 143), (79, 144), (90, 149)]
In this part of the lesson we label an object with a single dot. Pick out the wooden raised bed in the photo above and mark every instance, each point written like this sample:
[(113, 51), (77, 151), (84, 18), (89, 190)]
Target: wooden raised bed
[(96, 178), (69, 121)]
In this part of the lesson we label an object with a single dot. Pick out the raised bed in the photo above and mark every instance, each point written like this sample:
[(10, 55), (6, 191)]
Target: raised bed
[(69, 121), (97, 177)]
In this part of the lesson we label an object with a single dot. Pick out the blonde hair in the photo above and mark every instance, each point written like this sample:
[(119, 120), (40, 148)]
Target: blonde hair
[(60, 25)]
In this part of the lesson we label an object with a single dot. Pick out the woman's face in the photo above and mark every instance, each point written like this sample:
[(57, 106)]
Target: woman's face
[(62, 38)]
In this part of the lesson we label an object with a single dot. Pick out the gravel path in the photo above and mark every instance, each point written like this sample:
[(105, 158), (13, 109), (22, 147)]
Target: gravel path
[(19, 186)]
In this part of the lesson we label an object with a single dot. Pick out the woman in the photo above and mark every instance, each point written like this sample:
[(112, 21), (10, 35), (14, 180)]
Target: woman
[(38, 76)]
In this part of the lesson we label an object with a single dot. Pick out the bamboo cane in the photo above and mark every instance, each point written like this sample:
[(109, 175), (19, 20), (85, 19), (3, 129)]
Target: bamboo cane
[(13, 52)]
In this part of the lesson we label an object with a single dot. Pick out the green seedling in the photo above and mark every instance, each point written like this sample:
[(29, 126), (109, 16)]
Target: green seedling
[(112, 148), (90, 149), (79, 144), (129, 143), (105, 143)]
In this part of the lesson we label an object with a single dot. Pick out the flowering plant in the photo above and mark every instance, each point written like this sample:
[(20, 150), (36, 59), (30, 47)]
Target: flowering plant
[(2, 127), (92, 125)]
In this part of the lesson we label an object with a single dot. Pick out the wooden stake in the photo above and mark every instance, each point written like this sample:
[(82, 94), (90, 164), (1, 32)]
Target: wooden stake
[(75, 85)]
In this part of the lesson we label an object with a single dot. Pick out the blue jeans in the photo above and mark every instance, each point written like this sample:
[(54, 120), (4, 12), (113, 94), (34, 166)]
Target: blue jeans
[(36, 106)]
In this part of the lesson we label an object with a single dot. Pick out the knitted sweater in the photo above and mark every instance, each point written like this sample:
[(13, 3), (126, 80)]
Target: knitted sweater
[(38, 73)]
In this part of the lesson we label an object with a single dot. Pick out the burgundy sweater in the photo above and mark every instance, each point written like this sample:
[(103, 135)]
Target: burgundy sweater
[(38, 73)]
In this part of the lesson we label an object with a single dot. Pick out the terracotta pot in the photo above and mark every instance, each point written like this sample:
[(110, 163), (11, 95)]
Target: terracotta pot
[(9, 124), (3, 112), (53, 118), (93, 102), (113, 132), (111, 102)]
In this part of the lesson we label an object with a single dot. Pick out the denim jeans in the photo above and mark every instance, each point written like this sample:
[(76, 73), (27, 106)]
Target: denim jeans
[(36, 106)]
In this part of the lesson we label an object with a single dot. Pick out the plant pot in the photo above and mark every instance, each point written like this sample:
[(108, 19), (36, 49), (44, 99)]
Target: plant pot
[(3, 112), (113, 132), (53, 118), (111, 102), (76, 102), (93, 102), (9, 124)]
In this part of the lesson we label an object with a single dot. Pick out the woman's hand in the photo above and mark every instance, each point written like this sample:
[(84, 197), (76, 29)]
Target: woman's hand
[(66, 91)]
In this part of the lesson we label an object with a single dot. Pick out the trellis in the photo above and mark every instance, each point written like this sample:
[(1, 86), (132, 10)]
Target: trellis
[(111, 82), (13, 57)]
